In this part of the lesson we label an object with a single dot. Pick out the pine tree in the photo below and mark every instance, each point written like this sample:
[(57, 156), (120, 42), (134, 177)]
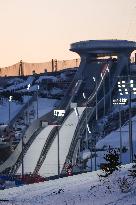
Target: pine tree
[(112, 159)]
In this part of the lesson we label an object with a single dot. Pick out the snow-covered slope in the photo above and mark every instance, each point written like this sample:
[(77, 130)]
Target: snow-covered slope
[(66, 132), (83, 189), (113, 140), (4, 111), (35, 149)]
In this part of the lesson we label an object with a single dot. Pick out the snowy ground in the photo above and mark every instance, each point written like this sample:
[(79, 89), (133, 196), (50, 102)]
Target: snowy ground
[(113, 139), (83, 189), (45, 105), (14, 109)]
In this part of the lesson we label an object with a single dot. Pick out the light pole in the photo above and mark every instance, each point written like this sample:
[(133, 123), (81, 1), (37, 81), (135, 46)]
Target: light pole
[(37, 94), (96, 113), (120, 133), (91, 155), (130, 124), (10, 99), (58, 113), (120, 102), (22, 157), (58, 143), (104, 93), (109, 88), (96, 98), (74, 106), (104, 96), (130, 114), (28, 119), (84, 96), (127, 92)]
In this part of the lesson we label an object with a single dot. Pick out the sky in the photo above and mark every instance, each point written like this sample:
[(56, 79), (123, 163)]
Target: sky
[(39, 30)]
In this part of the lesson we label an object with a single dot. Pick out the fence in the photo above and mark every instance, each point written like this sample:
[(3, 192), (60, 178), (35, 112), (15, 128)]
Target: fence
[(30, 68)]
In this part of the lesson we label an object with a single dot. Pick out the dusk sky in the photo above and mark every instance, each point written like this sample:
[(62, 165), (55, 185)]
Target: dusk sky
[(39, 30)]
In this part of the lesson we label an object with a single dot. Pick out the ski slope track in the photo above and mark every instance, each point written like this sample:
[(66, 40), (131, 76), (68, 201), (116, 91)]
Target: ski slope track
[(32, 155), (66, 132)]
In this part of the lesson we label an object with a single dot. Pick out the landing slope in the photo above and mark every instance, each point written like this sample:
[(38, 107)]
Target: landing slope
[(83, 189)]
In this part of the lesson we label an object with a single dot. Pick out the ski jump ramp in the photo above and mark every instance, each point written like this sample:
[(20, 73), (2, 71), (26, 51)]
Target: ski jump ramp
[(33, 153), (50, 164), (66, 132)]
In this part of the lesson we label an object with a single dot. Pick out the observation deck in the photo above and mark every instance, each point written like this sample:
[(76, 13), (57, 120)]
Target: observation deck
[(103, 47)]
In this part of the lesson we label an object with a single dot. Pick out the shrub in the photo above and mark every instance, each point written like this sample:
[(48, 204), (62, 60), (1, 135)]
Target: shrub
[(112, 159)]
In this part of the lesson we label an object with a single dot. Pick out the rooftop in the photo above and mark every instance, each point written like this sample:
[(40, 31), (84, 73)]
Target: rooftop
[(103, 46)]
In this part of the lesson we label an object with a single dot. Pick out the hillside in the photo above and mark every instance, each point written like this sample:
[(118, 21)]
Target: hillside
[(83, 189)]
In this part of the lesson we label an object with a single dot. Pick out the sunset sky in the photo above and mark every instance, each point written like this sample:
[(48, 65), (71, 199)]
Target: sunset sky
[(39, 30)]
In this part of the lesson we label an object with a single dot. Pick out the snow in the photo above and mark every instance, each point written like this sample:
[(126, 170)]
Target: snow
[(4, 110), (15, 80), (32, 88), (35, 149), (56, 91), (45, 105), (53, 78), (83, 189), (85, 154), (18, 86), (113, 139), (63, 76), (66, 132)]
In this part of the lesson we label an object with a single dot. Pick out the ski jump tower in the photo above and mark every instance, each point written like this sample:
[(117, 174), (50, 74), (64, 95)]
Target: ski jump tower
[(93, 49), (94, 53)]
